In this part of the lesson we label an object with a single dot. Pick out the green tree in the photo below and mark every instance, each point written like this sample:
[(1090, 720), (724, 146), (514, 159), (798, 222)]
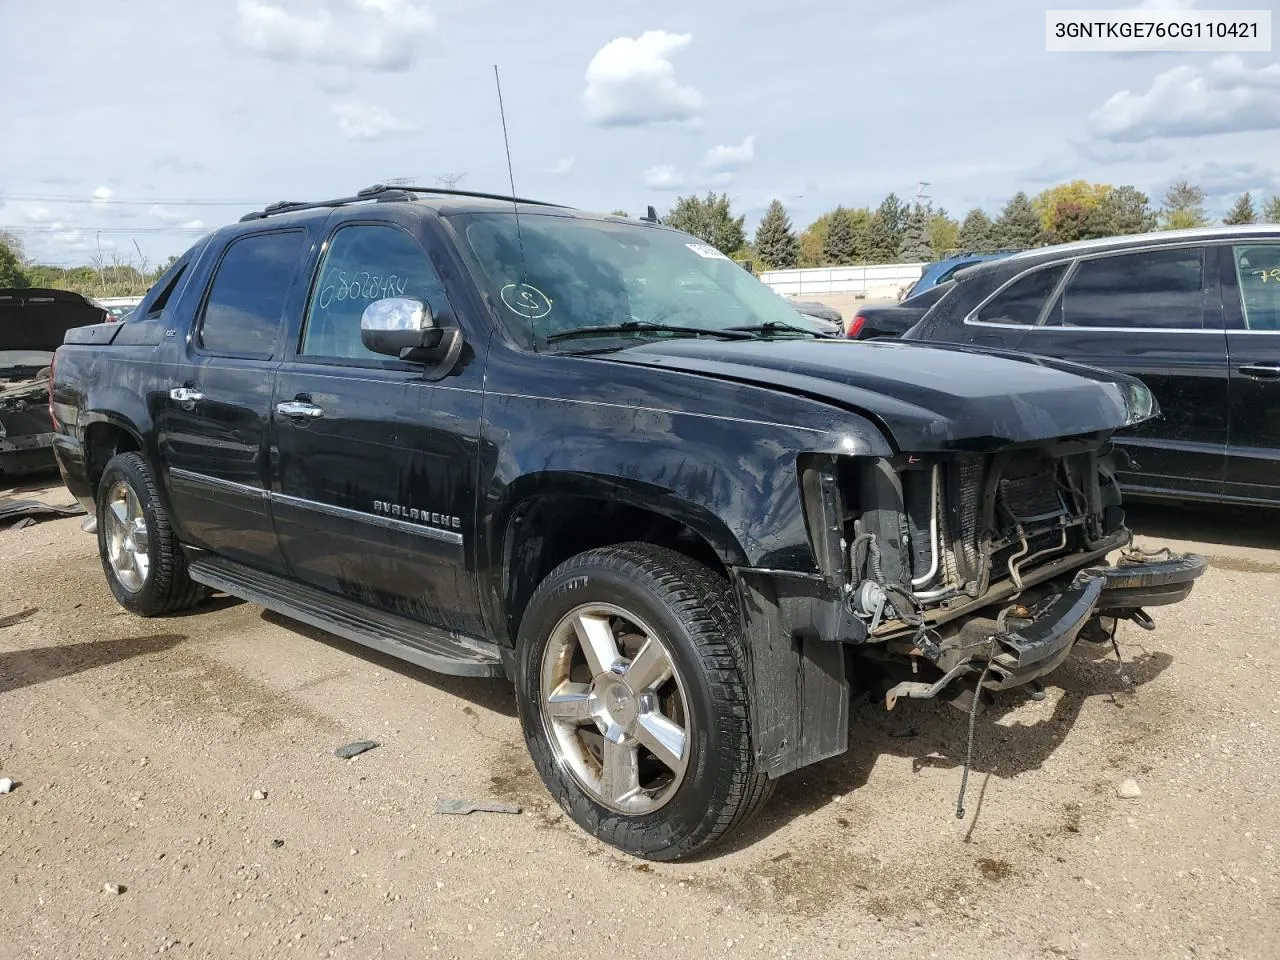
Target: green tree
[(1124, 210), (775, 240), (1271, 211), (881, 243), (944, 233), (620, 213), (977, 232), (1242, 212), (12, 262), (813, 241), (916, 246), (1183, 207), (1073, 220), (893, 213), (839, 248), (1018, 225), (709, 219)]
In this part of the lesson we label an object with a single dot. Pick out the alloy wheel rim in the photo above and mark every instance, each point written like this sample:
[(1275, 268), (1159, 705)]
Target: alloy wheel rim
[(614, 709), (128, 544)]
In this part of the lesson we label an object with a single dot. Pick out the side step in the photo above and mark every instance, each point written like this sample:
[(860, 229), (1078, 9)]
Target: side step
[(385, 632)]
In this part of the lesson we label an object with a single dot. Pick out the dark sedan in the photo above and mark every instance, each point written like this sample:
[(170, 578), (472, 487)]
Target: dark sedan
[(1193, 313)]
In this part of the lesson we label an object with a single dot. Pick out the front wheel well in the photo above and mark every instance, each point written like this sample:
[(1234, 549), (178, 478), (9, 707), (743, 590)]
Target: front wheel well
[(545, 532)]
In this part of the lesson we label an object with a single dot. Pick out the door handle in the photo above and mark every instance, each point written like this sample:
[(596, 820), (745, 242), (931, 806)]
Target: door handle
[(299, 409), (1261, 371), (185, 394)]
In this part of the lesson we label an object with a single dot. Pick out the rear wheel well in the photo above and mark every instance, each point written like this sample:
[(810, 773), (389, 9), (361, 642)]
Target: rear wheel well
[(545, 532), (102, 441)]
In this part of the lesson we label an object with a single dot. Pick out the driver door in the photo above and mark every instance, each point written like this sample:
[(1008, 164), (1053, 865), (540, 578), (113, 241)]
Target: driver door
[(373, 462)]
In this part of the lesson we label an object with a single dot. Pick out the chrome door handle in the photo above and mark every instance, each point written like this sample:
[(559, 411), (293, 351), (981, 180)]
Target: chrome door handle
[(300, 409), (1261, 371), (185, 394)]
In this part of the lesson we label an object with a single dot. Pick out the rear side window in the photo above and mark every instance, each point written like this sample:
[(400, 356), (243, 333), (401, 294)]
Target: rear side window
[(1258, 278), (1157, 288), (245, 305), (1023, 300)]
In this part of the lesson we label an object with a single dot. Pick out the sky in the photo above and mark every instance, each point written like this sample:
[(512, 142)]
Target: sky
[(136, 125)]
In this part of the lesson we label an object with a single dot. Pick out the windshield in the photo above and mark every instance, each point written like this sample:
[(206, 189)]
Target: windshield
[(578, 273)]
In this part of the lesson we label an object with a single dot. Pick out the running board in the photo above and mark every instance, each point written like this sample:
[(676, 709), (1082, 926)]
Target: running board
[(386, 632)]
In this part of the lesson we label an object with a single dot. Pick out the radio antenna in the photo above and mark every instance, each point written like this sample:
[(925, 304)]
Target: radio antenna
[(511, 177)]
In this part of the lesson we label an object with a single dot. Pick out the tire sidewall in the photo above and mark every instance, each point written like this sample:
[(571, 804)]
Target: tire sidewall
[(125, 468), (680, 822)]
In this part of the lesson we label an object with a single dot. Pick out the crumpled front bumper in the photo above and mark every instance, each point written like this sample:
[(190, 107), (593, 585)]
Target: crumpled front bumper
[(1032, 646)]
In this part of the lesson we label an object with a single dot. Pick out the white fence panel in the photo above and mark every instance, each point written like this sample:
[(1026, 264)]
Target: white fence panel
[(817, 281)]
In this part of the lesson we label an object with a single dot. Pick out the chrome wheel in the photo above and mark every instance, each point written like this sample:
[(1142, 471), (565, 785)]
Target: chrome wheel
[(614, 709), (128, 546)]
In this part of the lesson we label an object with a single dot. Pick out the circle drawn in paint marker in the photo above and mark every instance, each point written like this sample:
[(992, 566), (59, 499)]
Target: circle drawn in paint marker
[(526, 300)]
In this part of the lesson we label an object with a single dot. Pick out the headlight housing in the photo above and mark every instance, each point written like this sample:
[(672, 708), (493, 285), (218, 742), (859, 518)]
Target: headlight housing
[(1139, 402)]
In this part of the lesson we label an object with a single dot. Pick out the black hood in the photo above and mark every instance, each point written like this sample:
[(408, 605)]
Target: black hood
[(933, 397), (37, 319)]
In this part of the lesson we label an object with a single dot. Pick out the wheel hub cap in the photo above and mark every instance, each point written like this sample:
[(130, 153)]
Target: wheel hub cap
[(124, 528), (614, 709)]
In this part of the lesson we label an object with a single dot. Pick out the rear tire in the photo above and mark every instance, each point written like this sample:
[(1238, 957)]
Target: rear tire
[(653, 754), (141, 558)]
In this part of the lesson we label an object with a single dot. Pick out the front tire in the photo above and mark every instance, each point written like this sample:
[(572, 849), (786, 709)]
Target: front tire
[(141, 558), (631, 686)]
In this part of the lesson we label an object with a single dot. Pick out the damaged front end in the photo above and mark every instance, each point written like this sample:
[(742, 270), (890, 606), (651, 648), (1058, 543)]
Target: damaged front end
[(26, 432), (992, 564)]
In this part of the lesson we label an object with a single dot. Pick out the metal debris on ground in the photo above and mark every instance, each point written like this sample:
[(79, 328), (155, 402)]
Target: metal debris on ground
[(17, 509), (463, 807), (355, 749)]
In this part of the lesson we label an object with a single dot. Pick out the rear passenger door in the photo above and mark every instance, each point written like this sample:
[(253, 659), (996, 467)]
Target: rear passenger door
[(1251, 298), (1153, 314), (214, 409)]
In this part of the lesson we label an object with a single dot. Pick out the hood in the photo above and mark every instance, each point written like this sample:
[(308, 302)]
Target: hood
[(928, 397), (37, 319)]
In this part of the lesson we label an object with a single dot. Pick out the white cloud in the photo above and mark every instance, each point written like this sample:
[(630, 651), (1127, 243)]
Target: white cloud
[(563, 166), (1227, 96), (102, 195), (631, 81), (729, 156), (37, 214), (359, 121), (163, 215), (193, 225), (664, 177), (374, 34)]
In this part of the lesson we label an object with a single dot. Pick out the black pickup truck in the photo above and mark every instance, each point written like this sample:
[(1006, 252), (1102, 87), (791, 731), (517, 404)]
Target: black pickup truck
[(590, 453)]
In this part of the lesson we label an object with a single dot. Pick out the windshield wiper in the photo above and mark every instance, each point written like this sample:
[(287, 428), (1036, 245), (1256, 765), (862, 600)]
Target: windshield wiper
[(777, 326), (644, 326)]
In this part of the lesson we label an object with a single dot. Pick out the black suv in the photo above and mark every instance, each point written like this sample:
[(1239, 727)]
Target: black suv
[(1194, 313), (592, 454)]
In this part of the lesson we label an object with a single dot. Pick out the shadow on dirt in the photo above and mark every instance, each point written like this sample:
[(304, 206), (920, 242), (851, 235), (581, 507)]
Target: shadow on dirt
[(489, 693), (933, 736), (26, 668), (1230, 526)]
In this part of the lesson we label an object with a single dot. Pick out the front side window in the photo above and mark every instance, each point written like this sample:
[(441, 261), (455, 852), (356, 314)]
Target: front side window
[(364, 262), (1022, 301), (556, 275), (1258, 279), (246, 299), (1154, 289)]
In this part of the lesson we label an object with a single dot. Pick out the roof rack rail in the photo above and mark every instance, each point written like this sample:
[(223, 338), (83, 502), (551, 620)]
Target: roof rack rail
[(383, 193)]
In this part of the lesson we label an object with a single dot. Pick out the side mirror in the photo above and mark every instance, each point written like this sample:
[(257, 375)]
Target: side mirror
[(398, 327)]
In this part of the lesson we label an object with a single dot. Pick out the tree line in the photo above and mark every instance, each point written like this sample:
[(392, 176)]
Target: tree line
[(900, 232), (109, 276)]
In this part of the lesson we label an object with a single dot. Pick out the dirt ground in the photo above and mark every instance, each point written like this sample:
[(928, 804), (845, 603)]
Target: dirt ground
[(138, 746)]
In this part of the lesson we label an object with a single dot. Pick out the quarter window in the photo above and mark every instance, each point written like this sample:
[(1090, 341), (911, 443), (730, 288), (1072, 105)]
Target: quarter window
[(1155, 289), (364, 263), (1022, 301), (246, 299), (1258, 278)]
